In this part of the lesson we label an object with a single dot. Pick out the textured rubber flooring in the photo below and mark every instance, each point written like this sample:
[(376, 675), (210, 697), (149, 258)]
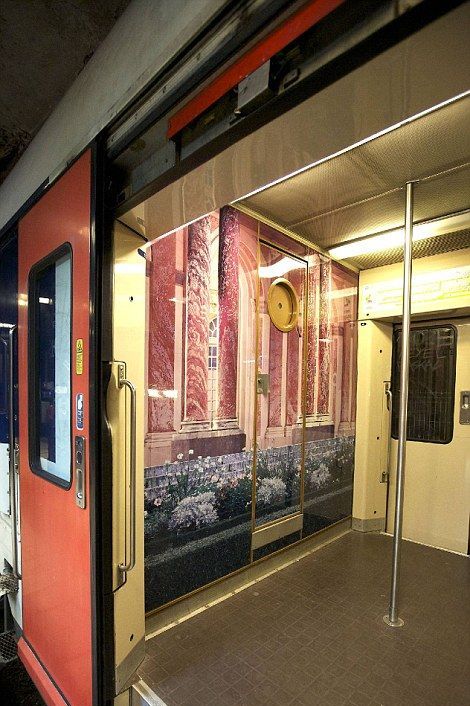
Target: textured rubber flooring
[(313, 634)]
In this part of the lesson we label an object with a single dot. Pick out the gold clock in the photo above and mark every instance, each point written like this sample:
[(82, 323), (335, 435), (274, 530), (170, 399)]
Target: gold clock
[(283, 305)]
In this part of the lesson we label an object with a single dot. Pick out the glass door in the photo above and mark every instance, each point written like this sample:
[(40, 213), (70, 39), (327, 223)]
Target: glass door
[(280, 385)]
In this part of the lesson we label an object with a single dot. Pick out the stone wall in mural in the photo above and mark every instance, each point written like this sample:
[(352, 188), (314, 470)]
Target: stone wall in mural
[(208, 288)]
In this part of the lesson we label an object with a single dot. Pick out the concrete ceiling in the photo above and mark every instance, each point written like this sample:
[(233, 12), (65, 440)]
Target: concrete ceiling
[(44, 44)]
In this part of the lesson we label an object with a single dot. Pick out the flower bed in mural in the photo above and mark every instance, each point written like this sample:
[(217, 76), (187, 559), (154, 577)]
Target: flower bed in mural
[(277, 486), (200, 495), (205, 494), (198, 511)]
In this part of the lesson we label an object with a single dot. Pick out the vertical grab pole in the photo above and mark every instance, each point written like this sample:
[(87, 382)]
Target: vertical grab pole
[(392, 618)]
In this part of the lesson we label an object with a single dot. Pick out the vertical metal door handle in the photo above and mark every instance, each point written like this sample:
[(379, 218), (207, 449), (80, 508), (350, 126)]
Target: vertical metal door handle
[(388, 393), (386, 473), (13, 456), (129, 561)]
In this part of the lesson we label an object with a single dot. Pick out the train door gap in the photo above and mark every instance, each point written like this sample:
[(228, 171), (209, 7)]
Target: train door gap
[(10, 572), (205, 508)]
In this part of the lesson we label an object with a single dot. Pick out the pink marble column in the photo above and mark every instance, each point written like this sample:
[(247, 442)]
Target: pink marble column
[(197, 318), (229, 242), (161, 355), (275, 376), (324, 339), (344, 319), (312, 333), (346, 362), (294, 362)]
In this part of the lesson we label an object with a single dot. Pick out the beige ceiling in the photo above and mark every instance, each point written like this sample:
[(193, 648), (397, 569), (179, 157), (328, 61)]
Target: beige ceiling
[(362, 191)]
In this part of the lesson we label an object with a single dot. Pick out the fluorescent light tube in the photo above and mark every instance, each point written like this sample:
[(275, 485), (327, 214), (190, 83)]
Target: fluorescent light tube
[(395, 238)]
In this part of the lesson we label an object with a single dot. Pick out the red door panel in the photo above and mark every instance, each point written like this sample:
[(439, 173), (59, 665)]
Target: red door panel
[(55, 532)]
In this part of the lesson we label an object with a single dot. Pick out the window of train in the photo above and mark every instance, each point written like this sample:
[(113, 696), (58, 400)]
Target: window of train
[(50, 349), (431, 384)]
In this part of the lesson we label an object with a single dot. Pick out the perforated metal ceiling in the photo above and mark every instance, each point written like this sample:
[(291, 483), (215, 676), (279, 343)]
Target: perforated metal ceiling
[(362, 191)]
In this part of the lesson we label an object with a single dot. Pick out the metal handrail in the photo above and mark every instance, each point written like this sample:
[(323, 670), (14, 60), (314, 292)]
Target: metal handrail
[(389, 396), (129, 563)]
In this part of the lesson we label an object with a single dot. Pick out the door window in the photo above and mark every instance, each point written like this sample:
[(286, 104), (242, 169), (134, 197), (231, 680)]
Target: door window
[(431, 384), (50, 370)]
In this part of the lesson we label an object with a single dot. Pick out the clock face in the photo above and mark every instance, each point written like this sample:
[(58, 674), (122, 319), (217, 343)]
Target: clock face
[(283, 305)]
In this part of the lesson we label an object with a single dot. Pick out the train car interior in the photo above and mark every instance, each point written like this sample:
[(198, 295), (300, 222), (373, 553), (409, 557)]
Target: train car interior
[(200, 375), (270, 364)]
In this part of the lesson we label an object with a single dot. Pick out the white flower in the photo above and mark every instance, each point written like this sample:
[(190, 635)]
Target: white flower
[(190, 452), (179, 457), (194, 512), (320, 476), (270, 491)]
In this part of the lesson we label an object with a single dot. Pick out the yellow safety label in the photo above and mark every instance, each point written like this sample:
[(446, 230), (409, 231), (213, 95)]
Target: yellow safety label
[(79, 356)]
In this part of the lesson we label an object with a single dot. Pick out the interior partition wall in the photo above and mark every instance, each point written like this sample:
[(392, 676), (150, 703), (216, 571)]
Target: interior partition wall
[(250, 420)]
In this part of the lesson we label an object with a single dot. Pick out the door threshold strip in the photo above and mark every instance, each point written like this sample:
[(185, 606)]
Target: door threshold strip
[(431, 546), (143, 695)]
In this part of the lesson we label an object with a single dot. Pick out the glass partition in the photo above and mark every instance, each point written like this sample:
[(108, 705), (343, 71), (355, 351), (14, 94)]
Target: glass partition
[(251, 345)]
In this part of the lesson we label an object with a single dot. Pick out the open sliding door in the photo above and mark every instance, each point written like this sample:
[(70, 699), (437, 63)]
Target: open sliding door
[(83, 609), (54, 435)]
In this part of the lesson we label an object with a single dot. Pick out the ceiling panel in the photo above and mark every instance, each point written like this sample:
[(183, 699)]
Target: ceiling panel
[(448, 193), (361, 191)]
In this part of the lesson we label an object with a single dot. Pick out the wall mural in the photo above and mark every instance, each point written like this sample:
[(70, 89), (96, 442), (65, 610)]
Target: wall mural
[(213, 442)]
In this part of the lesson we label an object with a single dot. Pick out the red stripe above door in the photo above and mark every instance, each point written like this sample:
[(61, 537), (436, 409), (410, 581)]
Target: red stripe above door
[(302, 20)]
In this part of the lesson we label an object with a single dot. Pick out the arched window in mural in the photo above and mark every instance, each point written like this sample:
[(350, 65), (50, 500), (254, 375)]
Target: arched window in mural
[(213, 343), (212, 365)]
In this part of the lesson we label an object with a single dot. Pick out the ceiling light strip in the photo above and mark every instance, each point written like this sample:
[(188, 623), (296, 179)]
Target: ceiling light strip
[(395, 238)]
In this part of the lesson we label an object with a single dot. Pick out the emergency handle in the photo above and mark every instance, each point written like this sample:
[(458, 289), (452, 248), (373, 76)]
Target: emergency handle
[(129, 561)]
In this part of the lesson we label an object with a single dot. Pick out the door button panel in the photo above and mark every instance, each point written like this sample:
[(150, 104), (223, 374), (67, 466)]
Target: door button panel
[(80, 497), (464, 416)]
